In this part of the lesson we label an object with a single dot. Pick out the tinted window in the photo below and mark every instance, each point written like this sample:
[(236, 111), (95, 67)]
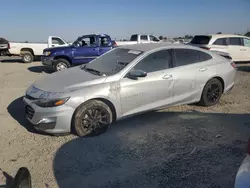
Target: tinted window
[(57, 41), (246, 42), (222, 42), (200, 39), (144, 37), (155, 62), (153, 38), (188, 56), (133, 38), (235, 41)]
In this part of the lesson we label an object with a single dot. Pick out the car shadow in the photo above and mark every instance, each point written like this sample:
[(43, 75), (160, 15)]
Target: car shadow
[(41, 69), (11, 61), (244, 68), (16, 110), (157, 149)]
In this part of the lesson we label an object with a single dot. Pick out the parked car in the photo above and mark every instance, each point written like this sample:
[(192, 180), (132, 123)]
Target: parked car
[(138, 39), (237, 46), (4, 45), (125, 81), (28, 51), (83, 50), (242, 179)]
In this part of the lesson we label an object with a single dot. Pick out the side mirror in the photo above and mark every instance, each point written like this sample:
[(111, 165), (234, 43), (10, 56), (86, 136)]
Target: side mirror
[(22, 179), (134, 74)]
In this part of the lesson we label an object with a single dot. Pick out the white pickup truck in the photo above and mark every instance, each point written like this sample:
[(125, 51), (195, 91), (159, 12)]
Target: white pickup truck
[(138, 39), (28, 51)]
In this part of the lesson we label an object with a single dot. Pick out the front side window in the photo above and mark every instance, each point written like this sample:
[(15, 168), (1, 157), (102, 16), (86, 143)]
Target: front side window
[(235, 41), (155, 62), (246, 42), (86, 41), (104, 41), (221, 42), (189, 56), (57, 41)]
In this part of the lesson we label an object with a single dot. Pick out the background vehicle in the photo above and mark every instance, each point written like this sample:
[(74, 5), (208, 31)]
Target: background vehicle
[(83, 50), (28, 51), (138, 39), (237, 46), (242, 179), (4, 44), (125, 81)]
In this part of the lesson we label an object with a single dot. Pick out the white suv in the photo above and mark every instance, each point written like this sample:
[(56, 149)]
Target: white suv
[(237, 46)]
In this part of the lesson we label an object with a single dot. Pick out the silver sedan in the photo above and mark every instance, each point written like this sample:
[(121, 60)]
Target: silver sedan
[(126, 81)]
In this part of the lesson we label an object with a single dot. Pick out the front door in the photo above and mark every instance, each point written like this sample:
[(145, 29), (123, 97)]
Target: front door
[(236, 48), (153, 91), (87, 50)]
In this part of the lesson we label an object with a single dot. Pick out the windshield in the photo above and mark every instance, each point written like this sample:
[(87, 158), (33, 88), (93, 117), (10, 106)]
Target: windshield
[(112, 62), (200, 39)]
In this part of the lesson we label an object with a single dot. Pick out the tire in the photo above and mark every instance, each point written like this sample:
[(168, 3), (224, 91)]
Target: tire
[(27, 57), (211, 93), (92, 118), (61, 64), (22, 179), (3, 53)]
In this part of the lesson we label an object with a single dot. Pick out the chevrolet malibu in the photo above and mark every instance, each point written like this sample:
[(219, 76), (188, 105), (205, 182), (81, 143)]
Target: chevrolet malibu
[(125, 81)]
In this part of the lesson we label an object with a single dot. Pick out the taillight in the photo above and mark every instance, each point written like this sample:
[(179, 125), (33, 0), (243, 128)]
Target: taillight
[(206, 48), (8, 45), (233, 65), (248, 150), (114, 44)]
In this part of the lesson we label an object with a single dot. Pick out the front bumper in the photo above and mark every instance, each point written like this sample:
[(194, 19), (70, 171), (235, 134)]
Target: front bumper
[(47, 61), (242, 179), (53, 120)]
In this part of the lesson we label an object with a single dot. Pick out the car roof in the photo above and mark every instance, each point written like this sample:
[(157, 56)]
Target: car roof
[(152, 46), (222, 35)]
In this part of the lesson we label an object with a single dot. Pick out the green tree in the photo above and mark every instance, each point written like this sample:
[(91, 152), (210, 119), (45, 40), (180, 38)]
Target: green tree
[(247, 34)]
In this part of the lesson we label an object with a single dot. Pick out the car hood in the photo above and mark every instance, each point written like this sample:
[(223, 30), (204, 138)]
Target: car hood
[(63, 82)]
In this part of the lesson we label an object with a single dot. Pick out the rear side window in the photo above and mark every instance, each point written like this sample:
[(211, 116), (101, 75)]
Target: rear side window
[(235, 41), (246, 42), (200, 39), (133, 38), (189, 56), (155, 62), (221, 42), (144, 37)]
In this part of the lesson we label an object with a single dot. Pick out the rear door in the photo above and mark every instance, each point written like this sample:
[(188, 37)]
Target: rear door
[(86, 50), (104, 43), (236, 48), (188, 65)]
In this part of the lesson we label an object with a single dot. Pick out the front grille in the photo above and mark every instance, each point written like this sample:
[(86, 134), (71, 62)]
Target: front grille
[(29, 111), (29, 97)]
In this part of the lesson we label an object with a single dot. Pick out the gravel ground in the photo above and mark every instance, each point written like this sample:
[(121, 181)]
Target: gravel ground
[(183, 146)]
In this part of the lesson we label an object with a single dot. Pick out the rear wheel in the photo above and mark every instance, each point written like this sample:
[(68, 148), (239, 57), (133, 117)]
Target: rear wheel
[(61, 64), (212, 93), (92, 118), (27, 57), (3, 53)]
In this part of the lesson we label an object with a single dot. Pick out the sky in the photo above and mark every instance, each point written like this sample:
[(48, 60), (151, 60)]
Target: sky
[(35, 20)]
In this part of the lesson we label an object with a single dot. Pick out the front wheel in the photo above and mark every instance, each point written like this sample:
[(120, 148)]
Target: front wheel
[(212, 93), (61, 65), (92, 118)]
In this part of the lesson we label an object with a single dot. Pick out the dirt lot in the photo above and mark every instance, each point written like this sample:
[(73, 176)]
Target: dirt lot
[(184, 146)]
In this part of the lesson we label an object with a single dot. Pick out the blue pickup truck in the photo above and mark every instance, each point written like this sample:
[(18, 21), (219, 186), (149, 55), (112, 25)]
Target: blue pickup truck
[(83, 50)]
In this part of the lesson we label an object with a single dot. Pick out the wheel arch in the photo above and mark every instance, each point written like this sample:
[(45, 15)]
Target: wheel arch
[(27, 50), (63, 57), (104, 100), (220, 79)]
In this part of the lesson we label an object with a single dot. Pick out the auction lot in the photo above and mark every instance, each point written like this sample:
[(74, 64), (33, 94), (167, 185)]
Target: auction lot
[(183, 146)]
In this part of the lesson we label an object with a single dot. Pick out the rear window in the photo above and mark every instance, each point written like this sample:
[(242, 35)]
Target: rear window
[(200, 39), (133, 38)]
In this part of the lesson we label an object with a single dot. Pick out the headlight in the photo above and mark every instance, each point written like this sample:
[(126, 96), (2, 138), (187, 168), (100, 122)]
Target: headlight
[(46, 53), (45, 103)]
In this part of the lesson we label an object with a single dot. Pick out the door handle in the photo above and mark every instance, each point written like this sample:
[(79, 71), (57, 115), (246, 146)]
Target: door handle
[(95, 49), (202, 69), (52, 45), (167, 76)]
